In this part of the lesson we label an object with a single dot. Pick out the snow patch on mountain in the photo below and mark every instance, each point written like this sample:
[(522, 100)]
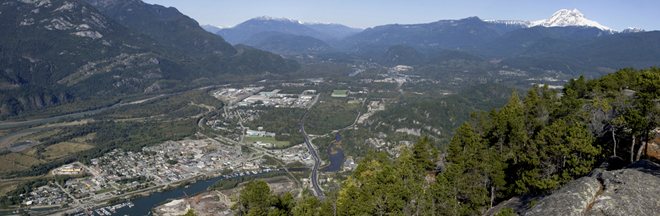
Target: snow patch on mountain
[(296, 21), (277, 19), (632, 30), (524, 23)]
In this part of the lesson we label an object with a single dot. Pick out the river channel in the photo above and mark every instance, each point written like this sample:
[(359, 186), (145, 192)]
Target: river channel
[(58, 118), (143, 205), (335, 159)]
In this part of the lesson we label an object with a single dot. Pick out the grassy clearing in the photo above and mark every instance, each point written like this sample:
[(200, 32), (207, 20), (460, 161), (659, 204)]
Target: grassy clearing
[(6, 187), (39, 135), (17, 161), (64, 148), (105, 190), (339, 92), (84, 139), (354, 102), (272, 140)]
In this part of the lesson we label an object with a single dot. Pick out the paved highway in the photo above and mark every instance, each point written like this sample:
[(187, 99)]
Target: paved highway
[(317, 161)]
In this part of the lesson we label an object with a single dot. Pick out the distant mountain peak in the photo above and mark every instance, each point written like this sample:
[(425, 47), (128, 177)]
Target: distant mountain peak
[(565, 17), (277, 19), (284, 19), (561, 18)]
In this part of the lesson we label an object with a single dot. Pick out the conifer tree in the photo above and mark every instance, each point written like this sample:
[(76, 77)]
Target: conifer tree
[(466, 169)]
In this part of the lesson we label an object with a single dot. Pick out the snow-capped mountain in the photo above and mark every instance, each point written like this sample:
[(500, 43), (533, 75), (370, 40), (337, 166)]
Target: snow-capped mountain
[(564, 18)]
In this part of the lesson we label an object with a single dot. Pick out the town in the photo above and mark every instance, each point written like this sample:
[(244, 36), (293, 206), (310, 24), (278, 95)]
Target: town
[(119, 173)]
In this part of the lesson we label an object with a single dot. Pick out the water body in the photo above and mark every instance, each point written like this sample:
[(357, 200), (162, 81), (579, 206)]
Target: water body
[(335, 159), (23, 132), (143, 205), (355, 73)]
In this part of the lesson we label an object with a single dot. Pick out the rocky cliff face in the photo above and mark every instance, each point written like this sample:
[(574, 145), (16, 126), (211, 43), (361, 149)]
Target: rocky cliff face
[(634, 190), (608, 190)]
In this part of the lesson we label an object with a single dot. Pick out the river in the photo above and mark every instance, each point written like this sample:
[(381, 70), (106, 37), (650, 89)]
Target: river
[(143, 205), (56, 118), (335, 159)]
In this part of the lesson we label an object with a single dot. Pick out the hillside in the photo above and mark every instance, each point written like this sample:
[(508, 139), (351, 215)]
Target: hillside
[(333, 30), (53, 50), (589, 56), (443, 34), (517, 41), (166, 25), (281, 43)]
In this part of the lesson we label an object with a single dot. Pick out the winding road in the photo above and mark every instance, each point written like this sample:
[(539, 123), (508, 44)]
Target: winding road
[(317, 161)]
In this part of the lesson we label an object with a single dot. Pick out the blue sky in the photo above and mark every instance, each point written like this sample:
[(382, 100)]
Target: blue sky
[(616, 14)]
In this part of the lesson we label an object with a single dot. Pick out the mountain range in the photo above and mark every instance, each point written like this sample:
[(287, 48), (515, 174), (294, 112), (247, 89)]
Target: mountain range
[(566, 41), (82, 55), (467, 33)]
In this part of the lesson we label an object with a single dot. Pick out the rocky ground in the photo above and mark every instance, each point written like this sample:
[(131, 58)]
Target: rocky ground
[(609, 190)]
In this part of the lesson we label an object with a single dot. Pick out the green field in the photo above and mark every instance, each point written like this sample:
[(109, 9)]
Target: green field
[(339, 92), (104, 190), (354, 102), (272, 140)]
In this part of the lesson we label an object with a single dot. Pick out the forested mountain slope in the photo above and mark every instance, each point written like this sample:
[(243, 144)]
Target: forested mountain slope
[(50, 48), (443, 34), (166, 25), (278, 42)]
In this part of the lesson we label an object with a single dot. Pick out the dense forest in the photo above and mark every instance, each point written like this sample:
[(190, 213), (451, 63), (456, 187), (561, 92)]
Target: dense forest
[(534, 144)]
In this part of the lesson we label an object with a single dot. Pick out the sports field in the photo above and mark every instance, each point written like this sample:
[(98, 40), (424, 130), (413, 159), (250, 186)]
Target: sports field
[(339, 92)]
